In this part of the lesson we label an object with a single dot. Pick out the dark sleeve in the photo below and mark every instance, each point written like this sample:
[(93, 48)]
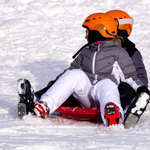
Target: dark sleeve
[(140, 68)]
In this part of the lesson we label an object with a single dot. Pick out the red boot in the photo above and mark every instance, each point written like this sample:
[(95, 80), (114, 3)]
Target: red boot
[(112, 114), (41, 109)]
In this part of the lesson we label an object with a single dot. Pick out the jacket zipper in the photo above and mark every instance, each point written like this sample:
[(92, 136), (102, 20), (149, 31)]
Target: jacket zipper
[(93, 65)]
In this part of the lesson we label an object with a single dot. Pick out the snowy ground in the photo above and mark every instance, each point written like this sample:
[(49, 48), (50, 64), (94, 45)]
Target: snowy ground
[(37, 41)]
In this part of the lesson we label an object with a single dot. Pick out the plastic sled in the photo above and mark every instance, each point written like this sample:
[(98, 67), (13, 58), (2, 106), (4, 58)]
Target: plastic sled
[(71, 110)]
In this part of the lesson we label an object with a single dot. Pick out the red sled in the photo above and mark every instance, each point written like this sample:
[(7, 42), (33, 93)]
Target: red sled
[(71, 110)]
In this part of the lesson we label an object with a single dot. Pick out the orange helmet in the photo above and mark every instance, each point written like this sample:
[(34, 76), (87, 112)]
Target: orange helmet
[(125, 22), (103, 23)]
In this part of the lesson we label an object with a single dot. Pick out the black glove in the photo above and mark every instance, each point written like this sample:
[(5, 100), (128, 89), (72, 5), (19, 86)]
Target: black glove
[(143, 89)]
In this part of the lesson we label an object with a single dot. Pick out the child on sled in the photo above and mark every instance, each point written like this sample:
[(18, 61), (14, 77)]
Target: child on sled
[(93, 77)]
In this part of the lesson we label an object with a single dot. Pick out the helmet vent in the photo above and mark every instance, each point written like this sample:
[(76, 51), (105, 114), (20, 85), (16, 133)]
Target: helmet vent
[(87, 21)]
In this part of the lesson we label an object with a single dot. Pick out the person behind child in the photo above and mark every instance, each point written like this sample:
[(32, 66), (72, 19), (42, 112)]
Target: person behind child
[(125, 24)]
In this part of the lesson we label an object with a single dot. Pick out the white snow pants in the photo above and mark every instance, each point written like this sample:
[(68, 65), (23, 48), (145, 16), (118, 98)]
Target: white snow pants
[(76, 82)]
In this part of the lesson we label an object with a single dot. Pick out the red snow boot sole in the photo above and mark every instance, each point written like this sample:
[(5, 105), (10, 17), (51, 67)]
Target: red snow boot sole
[(112, 114)]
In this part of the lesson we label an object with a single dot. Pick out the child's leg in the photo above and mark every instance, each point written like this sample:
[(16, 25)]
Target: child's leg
[(106, 91), (73, 82)]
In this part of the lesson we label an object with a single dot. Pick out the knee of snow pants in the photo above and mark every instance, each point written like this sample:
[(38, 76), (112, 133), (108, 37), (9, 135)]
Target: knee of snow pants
[(106, 91), (73, 82)]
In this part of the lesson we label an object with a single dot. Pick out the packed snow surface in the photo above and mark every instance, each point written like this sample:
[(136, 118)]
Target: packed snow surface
[(37, 41)]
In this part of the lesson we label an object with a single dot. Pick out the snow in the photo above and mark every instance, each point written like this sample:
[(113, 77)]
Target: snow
[(37, 41)]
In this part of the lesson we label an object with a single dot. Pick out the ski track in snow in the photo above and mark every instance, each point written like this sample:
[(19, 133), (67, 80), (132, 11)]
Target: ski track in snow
[(37, 41)]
